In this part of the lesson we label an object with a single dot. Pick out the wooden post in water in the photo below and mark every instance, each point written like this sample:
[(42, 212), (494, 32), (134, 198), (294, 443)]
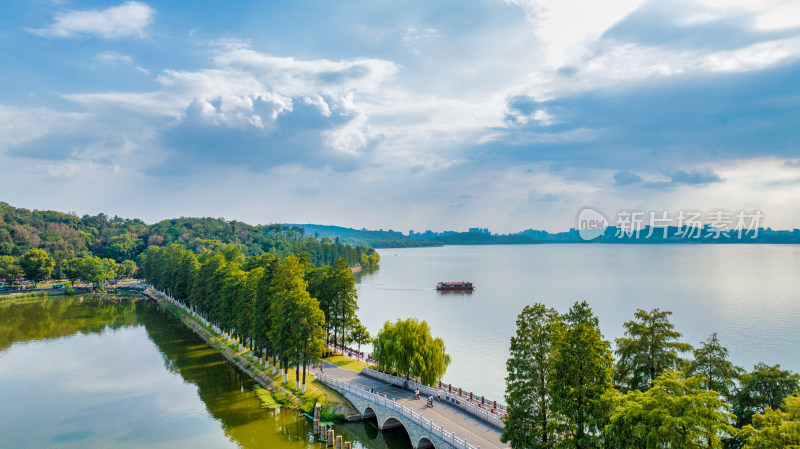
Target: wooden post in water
[(347, 445), (338, 442), (316, 426), (317, 409), (323, 431), (330, 438)]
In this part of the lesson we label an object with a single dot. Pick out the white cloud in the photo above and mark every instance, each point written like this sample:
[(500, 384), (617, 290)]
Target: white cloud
[(113, 58), (568, 28), (127, 20), (783, 15), (413, 34)]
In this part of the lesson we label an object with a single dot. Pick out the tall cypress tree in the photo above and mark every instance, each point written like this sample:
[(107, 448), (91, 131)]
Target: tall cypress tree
[(650, 347), (529, 423), (581, 380)]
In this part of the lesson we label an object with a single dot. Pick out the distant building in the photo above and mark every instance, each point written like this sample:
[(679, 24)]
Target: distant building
[(480, 231)]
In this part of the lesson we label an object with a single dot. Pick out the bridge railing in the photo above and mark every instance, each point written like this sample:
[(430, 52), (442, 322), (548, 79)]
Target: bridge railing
[(485, 412), (401, 409)]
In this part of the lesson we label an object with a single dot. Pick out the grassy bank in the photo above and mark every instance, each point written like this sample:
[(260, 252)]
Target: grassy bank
[(346, 362)]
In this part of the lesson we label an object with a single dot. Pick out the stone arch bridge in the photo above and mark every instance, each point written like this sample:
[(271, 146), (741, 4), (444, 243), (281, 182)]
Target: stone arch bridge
[(424, 433)]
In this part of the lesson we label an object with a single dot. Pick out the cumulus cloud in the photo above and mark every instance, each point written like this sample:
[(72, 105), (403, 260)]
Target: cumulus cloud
[(129, 19), (250, 109)]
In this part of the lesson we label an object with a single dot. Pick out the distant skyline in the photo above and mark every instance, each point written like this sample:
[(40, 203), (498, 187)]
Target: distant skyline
[(503, 114)]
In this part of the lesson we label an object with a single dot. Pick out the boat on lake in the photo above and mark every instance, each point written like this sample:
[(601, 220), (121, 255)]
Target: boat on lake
[(447, 286)]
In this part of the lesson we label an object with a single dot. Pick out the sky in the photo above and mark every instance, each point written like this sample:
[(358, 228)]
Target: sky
[(504, 114)]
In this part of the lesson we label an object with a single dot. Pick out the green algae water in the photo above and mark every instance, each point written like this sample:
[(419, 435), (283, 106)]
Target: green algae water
[(119, 372)]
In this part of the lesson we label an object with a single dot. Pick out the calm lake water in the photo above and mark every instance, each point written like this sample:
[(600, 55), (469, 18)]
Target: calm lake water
[(748, 294), (117, 373)]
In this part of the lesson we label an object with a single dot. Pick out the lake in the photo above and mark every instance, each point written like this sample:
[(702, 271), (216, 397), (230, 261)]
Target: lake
[(748, 294), (115, 373)]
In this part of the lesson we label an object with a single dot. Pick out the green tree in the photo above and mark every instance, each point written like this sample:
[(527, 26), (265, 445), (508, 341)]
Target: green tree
[(776, 428), (37, 265), (360, 335), (764, 387), (72, 269), (309, 321), (711, 362), (581, 380), (677, 412), (128, 268), (10, 269), (343, 298), (649, 348), (262, 308), (408, 347), (288, 291), (529, 423), (95, 270)]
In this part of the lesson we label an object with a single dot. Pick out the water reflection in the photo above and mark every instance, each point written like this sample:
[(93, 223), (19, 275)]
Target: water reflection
[(122, 373)]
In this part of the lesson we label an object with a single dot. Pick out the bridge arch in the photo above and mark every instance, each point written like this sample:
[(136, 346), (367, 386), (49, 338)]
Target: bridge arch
[(390, 422), (368, 412), (425, 443)]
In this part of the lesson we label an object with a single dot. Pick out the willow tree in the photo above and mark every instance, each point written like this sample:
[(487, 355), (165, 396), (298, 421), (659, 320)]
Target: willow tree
[(407, 347), (650, 347), (529, 423)]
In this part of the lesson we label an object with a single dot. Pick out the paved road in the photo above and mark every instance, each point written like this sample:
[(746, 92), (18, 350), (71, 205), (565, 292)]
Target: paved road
[(453, 419)]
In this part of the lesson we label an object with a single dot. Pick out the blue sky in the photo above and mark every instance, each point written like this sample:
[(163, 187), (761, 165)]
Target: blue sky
[(507, 114)]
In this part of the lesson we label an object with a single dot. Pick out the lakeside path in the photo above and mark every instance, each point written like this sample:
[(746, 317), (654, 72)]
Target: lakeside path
[(451, 418)]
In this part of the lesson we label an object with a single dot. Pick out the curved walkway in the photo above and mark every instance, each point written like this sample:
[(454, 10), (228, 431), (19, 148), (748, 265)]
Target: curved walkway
[(453, 419)]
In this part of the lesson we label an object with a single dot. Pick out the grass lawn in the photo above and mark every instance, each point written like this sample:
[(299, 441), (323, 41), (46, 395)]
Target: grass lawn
[(346, 362)]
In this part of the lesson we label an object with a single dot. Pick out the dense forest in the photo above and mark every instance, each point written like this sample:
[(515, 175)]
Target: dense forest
[(65, 236)]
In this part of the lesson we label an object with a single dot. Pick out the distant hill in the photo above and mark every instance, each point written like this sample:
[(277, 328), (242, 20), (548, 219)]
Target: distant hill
[(356, 237)]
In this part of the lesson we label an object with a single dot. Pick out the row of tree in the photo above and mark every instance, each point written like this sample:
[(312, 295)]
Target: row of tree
[(565, 388), (37, 265), (284, 307)]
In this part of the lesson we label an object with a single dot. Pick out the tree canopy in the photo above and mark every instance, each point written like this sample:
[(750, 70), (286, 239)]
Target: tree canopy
[(776, 428), (581, 380), (407, 347), (677, 412), (650, 347)]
